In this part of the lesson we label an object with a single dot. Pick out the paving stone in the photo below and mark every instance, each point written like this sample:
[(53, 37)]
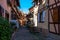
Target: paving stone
[(24, 34)]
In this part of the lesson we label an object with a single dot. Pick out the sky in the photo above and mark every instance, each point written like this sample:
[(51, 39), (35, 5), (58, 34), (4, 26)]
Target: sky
[(25, 5)]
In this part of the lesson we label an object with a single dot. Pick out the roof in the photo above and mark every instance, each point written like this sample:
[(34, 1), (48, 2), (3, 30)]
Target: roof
[(17, 2), (31, 7)]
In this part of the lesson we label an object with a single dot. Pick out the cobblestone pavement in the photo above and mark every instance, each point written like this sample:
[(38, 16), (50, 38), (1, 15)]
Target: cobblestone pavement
[(24, 34)]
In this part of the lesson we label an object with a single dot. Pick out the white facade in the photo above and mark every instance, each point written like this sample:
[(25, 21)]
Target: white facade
[(35, 15)]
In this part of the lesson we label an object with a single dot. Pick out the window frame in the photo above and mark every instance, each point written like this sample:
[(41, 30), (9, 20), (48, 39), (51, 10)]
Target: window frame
[(1, 10), (41, 18)]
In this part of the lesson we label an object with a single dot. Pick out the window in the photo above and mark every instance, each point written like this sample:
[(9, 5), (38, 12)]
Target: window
[(55, 14), (7, 15), (41, 17), (13, 16), (1, 10), (31, 15), (8, 2)]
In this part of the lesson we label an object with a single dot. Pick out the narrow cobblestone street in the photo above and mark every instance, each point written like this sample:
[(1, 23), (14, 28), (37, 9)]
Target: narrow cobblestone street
[(29, 19), (24, 34)]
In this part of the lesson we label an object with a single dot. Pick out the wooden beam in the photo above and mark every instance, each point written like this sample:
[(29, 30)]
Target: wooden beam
[(53, 4)]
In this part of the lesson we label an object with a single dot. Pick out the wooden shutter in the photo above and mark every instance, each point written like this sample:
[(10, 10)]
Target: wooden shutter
[(55, 15)]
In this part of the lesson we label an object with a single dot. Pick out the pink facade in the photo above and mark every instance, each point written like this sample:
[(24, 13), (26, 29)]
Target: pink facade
[(3, 4)]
